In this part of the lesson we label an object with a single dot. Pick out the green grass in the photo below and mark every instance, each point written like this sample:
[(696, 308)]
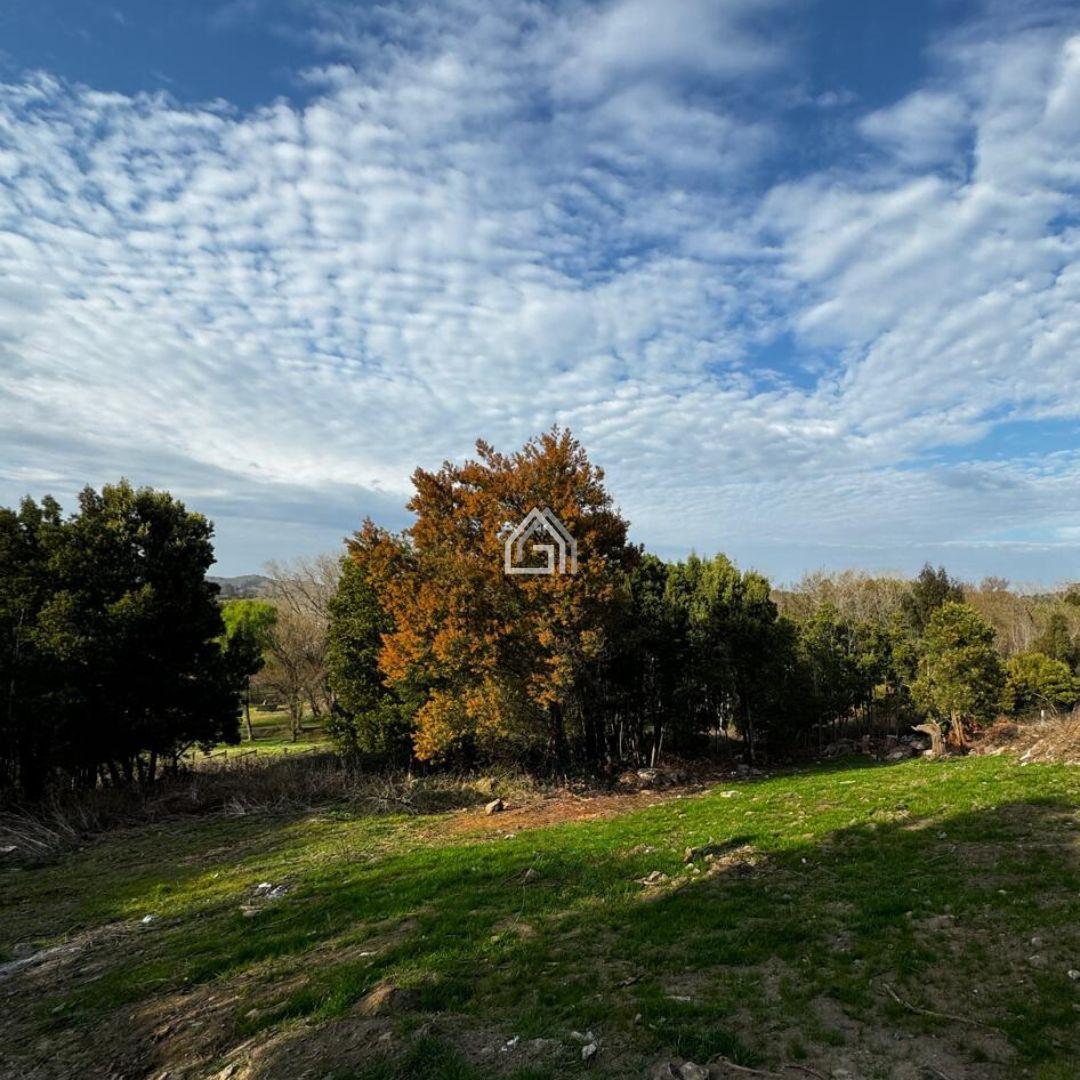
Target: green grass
[(932, 878), (273, 735)]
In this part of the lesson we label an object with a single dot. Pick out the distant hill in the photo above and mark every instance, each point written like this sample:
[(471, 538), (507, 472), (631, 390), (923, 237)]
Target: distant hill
[(242, 587)]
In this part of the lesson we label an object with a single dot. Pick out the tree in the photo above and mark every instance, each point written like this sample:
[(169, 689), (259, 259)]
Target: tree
[(114, 662), (960, 674), (367, 716), (1057, 642), (1034, 680), (928, 592), (731, 623), (301, 593), (249, 626), (498, 660), (30, 689)]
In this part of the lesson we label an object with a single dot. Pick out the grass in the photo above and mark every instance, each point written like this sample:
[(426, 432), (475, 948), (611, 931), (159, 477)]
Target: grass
[(955, 884), (273, 735)]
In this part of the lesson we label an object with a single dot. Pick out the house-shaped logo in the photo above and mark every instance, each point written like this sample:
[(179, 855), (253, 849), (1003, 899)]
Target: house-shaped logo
[(560, 556)]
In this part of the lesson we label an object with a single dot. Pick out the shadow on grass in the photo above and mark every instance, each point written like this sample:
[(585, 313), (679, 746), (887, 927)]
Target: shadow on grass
[(550, 930)]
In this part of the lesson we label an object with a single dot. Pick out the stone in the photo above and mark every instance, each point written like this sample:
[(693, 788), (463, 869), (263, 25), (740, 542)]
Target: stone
[(589, 1051), (650, 777), (654, 877), (496, 806), (691, 1071)]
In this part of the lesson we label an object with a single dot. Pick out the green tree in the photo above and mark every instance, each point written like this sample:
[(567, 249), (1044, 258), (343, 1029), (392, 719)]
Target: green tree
[(1057, 642), (367, 716), (1034, 680), (117, 661), (928, 592), (249, 625), (960, 673), (731, 624), (32, 696)]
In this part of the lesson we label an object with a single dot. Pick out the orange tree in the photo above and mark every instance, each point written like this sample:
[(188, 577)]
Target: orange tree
[(493, 661)]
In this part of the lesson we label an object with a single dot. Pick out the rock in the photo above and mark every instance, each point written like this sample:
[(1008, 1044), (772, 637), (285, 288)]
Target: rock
[(387, 998), (1037, 960), (588, 1051), (651, 777), (898, 754), (265, 890), (496, 806), (530, 875), (689, 1071), (1073, 974), (148, 919), (578, 1036), (654, 877), (678, 1070), (728, 794)]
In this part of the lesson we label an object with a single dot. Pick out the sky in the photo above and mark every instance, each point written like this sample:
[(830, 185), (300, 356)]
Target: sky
[(802, 276)]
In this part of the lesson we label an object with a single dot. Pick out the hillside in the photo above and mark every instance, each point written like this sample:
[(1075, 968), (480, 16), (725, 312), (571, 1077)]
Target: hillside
[(859, 920), (241, 587)]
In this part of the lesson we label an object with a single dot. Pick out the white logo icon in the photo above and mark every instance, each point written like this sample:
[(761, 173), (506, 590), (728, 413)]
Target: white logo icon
[(535, 523)]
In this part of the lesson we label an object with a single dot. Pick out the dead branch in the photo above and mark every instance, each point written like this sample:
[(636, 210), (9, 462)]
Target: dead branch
[(930, 1012)]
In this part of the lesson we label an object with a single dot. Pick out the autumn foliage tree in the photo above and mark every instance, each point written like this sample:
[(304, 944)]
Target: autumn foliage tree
[(496, 660)]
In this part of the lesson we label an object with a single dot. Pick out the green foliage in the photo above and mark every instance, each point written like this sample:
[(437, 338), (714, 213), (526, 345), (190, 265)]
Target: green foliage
[(251, 619), (960, 673), (1034, 680), (929, 591), (367, 716), (1057, 642), (113, 662)]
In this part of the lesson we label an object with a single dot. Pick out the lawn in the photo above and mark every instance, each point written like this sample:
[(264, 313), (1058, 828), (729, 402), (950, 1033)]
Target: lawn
[(272, 736), (914, 920)]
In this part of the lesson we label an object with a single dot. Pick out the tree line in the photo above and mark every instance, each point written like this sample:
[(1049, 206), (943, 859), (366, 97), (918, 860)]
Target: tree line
[(435, 653), (117, 655)]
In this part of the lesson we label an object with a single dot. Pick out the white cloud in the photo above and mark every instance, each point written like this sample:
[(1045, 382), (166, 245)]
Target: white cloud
[(516, 216), (923, 129)]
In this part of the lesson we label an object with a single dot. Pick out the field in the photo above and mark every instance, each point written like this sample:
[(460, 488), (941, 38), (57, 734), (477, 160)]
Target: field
[(272, 736), (859, 920)]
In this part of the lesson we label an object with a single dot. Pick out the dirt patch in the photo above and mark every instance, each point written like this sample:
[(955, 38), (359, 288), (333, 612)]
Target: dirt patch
[(561, 806)]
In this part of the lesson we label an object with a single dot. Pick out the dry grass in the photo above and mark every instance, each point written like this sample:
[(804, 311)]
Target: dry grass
[(270, 786), (1053, 740)]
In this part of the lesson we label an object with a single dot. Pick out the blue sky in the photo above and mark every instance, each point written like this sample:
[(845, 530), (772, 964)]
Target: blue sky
[(802, 276)]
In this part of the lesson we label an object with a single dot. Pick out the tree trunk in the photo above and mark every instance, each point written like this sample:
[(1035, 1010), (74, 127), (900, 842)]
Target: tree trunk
[(937, 743)]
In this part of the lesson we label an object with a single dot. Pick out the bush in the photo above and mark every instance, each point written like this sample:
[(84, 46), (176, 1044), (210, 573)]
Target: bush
[(1034, 680)]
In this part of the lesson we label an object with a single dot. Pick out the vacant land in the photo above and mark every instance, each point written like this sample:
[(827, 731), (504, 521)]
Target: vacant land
[(917, 920)]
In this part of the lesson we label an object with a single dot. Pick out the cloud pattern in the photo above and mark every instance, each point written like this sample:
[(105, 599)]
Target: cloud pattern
[(485, 219)]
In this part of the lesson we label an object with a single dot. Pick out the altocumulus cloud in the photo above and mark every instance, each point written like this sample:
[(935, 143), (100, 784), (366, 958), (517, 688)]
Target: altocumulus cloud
[(485, 219)]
